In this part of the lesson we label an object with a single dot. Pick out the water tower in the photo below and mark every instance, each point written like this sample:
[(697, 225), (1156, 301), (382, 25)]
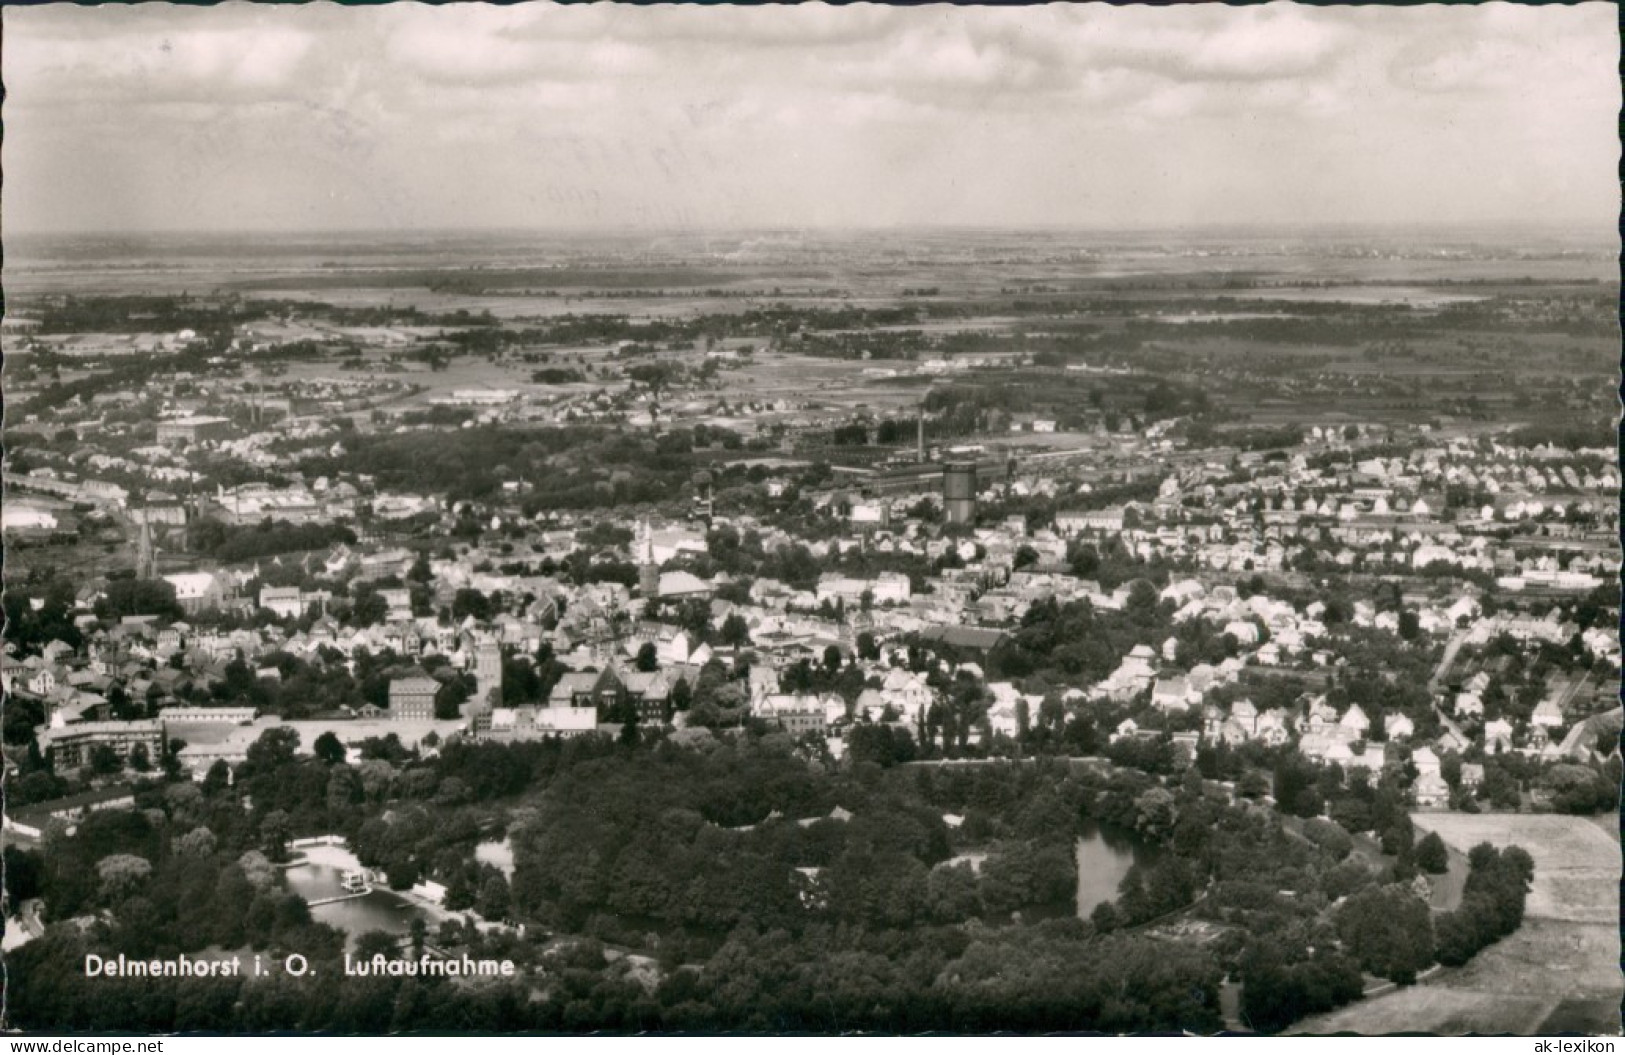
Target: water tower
[(648, 568), (959, 491), (487, 672)]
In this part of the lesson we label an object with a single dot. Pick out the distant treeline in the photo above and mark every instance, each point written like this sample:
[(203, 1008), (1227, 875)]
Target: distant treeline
[(147, 314), (605, 468), (162, 313), (230, 544), (1565, 434)]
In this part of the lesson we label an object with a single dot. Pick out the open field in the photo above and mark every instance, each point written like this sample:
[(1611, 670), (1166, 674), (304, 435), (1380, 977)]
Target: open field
[(1549, 976), (1577, 865), (1558, 973)]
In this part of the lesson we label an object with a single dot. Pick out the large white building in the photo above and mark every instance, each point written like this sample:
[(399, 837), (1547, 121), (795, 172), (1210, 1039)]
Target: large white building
[(195, 591), (24, 518), (285, 601), (70, 746)]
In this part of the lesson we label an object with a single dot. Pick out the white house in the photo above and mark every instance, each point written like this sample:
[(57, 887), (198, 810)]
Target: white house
[(1355, 721), (1497, 736), (1245, 633), (1132, 676), (1172, 694), (1547, 713), (1431, 791), (43, 683)]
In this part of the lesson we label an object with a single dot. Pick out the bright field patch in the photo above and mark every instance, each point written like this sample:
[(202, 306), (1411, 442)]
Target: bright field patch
[(1546, 971), (1559, 972), (1577, 864), (1432, 1009)]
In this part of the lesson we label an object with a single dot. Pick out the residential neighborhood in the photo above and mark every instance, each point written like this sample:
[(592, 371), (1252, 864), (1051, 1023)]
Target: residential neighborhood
[(1270, 605), (1070, 520)]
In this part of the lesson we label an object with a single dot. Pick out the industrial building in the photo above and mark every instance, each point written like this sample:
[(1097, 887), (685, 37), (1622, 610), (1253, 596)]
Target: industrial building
[(181, 432)]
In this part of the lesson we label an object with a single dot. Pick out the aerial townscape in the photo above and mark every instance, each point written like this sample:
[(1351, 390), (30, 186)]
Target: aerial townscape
[(878, 602), (793, 629)]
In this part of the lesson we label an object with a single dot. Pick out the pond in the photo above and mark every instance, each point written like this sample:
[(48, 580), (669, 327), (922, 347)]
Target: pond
[(1105, 853), (498, 855), (319, 877)]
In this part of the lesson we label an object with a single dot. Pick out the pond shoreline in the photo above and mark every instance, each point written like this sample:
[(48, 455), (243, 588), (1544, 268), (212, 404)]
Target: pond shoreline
[(1104, 853)]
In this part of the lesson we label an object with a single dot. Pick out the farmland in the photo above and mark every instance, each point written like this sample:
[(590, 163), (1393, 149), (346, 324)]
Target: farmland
[(1576, 863), (1557, 973)]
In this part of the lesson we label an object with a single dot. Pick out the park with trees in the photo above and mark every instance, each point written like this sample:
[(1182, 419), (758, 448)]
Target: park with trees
[(756, 873)]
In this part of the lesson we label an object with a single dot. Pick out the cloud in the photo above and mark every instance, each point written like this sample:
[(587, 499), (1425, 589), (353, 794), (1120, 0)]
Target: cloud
[(487, 45), (808, 113), (1269, 42), (1500, 52), (149, 53)]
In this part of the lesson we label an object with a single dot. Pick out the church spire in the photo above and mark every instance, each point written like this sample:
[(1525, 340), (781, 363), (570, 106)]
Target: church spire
[(145, 559)]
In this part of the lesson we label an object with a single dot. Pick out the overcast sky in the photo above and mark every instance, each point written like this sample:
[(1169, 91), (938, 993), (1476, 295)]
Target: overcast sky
[(152, 117)]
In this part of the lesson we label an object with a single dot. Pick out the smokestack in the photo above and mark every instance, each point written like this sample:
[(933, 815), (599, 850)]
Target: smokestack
[(919, 434)]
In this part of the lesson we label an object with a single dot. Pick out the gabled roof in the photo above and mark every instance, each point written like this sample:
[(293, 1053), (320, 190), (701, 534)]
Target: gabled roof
[(1175, 688), (638, 681), (573, 682), (414, 685)]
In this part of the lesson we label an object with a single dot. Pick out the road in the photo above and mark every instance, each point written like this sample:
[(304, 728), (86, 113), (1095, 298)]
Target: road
[(1458, 639)]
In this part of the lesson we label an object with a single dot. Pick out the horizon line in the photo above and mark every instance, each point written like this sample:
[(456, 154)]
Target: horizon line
[(1516, 224)]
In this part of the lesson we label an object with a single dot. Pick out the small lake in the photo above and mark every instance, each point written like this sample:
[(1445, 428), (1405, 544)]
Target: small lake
[(380, 910), (1105, 853), (498, 855)]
